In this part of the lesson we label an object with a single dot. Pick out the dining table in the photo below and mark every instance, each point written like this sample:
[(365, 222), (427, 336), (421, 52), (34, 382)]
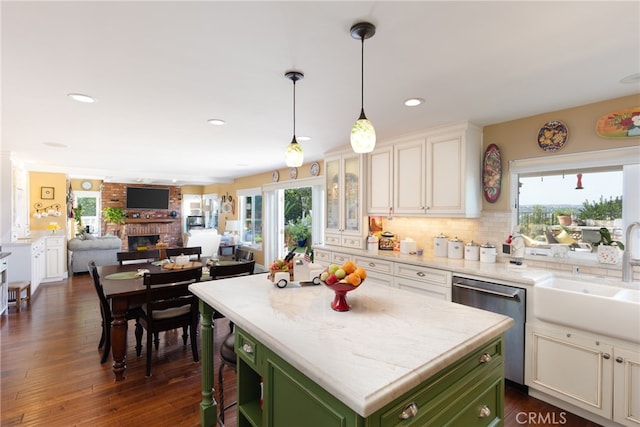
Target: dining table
[(124, 287)]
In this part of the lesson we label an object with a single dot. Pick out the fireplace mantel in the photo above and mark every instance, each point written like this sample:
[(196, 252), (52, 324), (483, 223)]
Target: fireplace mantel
[(149, 220)]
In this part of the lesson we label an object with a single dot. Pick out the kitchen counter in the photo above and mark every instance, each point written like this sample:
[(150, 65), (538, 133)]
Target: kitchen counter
[(4, 254), (388, 343)]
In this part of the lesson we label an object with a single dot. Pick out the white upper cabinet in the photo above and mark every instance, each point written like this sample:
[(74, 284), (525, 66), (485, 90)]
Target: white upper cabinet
[(344, 216), (435, 173)]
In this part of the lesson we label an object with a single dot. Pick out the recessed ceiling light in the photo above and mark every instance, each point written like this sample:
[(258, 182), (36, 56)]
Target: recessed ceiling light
[(56, 144), (81, 98), (216, 122), (303, 138), (413, 102), (633, 78)]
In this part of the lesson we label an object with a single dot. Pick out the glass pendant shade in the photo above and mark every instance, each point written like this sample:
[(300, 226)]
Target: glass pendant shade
[(294, 156), (363, 135)]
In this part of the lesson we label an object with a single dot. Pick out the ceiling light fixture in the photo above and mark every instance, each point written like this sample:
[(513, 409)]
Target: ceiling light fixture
[(81, 98), (363, 135), (294, 156), (216, 122), (413, 102)]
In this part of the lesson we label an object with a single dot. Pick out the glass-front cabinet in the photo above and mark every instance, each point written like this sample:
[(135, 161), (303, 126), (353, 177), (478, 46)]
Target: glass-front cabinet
[(344, 223)]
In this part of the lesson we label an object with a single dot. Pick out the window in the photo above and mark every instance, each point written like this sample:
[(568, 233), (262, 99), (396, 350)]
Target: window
[(251, 217), (88, 205), (567, 198)]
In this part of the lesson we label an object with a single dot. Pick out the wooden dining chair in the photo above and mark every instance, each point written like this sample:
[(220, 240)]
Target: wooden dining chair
[(232, 270), (194, 252), (243, 255), (170, 305), (137, 257), (105, 311)]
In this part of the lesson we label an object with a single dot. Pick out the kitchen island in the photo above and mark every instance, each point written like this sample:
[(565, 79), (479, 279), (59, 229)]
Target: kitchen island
[(394, 354)]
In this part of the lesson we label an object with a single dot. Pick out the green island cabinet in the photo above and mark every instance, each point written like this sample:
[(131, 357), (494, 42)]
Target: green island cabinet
[(396, 358), (273, 393)]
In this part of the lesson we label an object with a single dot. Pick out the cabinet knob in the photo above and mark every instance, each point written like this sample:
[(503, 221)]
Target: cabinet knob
[(372, 264), (606, 356), (409, 411), (420, 273), (486, 357), (247, 348), (484, 412), (619, 359)]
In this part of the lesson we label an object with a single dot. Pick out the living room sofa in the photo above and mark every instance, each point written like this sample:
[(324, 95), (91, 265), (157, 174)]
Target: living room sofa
[(101, 250)]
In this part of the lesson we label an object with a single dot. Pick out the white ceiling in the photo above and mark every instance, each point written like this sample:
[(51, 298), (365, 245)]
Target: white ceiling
[(160, 70)]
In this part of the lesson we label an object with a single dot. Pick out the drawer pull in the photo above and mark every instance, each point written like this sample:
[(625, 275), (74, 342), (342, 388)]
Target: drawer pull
[(421, 274), (247, 348), (606, 356), (486, 357), (619, 359), (484, 411), (409, 411), (372, 264)]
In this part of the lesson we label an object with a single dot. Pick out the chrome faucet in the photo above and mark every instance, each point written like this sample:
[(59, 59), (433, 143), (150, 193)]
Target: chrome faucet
[(627, 261)]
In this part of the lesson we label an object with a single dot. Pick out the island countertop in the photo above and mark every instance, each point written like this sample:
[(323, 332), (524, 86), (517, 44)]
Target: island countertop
[(390, 341)]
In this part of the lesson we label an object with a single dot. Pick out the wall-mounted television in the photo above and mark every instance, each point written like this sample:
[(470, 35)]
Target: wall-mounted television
[(147, 198)]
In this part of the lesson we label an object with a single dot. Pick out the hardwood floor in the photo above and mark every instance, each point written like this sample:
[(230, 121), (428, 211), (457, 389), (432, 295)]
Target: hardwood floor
[(50, 371)]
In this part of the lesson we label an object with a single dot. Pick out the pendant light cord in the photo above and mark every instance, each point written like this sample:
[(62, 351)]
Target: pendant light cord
[(362, 75), (294, 108)]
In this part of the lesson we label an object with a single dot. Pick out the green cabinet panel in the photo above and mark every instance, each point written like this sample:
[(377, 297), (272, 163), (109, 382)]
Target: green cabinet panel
[(469, 392)]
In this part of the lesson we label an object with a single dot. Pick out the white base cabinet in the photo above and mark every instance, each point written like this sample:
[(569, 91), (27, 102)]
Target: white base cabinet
[(55, 257), (4, 285), (586, 371), (427, 281), (27, 262)]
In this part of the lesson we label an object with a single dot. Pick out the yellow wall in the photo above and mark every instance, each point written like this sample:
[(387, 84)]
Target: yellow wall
[(58, 182), (517, 139)]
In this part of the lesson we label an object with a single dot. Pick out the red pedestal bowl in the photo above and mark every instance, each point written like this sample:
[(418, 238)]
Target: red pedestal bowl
[(340, 303)]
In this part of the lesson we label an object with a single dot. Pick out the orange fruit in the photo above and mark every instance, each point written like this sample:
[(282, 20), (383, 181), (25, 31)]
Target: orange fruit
[(361, 272), (353, 279), (349, 267)]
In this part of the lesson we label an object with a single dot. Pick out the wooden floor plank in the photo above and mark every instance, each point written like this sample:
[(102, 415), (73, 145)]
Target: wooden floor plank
[(50, 371)]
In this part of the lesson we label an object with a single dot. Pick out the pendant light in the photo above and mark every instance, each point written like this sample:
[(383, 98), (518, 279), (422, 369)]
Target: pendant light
[(294, 156), (363, 135)]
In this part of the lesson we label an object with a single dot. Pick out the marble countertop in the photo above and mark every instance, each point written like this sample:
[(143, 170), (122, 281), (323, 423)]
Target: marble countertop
[(4, 254), (390, 341)]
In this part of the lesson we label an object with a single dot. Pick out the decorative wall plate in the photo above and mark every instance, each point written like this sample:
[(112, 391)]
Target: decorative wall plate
[(314, 169), (293, 173), (275, 176), (553, 136), (86, 185), (620, 124), (492, 173)]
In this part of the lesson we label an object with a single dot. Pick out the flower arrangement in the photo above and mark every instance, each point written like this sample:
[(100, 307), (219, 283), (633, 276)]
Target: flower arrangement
[(53, 226), (629, 122)]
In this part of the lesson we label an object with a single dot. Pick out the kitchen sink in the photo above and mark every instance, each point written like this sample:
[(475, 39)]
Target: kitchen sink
[(594, 307)]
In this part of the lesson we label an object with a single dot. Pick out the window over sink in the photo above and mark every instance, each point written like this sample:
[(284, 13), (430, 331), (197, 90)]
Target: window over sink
[(565, 199)]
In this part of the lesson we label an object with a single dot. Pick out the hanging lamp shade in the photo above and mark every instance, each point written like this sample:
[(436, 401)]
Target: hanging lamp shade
[(363, 135), (294, 157)]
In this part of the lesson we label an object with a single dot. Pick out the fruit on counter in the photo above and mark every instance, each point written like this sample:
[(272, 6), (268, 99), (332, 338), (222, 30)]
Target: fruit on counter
[(349, 273)]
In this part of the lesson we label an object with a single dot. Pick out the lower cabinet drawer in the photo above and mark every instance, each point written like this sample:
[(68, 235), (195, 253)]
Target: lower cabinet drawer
[(372, 264), (247, 349)]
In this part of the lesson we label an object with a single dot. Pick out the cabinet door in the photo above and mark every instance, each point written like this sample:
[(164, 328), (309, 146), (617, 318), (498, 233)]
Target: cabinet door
[(334, 190), (626, 393), (408, 177), (424, 288), (380, 189), (352, 212), (444, 175), (572, 368)]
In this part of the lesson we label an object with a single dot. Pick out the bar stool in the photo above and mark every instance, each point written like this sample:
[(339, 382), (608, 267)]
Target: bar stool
[(15, 293)]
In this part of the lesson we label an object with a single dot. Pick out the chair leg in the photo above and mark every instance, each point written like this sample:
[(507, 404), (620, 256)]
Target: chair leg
[(156, 341), (221, 392), (185, 335), (149, 338), (194, 342), (138, 333)]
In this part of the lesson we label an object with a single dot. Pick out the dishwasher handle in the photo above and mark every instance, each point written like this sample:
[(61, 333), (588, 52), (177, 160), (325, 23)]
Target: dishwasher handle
[(511, 295)]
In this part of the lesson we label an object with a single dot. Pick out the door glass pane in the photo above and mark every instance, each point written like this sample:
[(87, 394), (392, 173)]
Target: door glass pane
[(333, 193), (351, 186)]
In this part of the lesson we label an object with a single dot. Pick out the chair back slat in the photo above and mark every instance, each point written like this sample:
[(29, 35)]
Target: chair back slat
[(104, 303), (193, 252), (147, 255), (243, 255), (226, 271)]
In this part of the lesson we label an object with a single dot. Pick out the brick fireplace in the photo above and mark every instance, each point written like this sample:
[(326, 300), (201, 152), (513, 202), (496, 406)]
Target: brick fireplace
[(135, 242), (147, 224)]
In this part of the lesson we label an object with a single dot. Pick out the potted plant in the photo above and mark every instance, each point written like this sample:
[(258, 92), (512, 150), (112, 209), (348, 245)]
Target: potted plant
[(564, 216), (300, 231), (114, 216), (608, 249)]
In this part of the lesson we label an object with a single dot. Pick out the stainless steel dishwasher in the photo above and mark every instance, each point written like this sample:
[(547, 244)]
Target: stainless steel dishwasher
[(507, 300)]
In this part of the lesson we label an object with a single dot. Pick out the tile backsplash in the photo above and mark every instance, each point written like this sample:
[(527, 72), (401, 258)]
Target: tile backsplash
[(493, 227)]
